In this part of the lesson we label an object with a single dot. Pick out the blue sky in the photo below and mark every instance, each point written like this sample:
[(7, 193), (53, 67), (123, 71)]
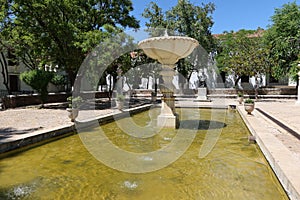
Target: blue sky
[(229, 14)]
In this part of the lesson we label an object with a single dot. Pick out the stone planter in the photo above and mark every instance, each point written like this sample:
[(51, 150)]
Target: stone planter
[(72, 113), (249, 107)]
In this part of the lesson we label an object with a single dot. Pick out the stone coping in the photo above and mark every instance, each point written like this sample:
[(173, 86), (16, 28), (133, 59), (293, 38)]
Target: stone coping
[(283, 163), (24, 140)]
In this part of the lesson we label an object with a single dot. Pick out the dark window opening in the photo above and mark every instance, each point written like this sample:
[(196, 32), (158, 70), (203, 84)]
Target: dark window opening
[(245, 79), (14, 83)]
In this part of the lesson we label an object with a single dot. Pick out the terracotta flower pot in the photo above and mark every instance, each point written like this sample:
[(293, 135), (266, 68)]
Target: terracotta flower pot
[(249, 107)]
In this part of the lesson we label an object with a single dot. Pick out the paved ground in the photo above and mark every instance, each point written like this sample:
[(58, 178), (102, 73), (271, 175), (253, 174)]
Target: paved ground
[(286, 113), (14, 122)]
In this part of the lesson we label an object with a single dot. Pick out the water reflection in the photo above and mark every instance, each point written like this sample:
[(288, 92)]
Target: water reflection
[(202, 124)]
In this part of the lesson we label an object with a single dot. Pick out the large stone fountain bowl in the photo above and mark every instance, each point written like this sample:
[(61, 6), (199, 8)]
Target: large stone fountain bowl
[(168, 49)]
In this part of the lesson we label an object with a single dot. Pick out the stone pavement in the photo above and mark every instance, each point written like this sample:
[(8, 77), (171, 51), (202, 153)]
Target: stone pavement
[(286, 112), (16, 123), (276, 130)]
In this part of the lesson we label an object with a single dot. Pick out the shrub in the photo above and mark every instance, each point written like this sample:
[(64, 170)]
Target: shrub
[(120, 97), (240, 94), (248, 101), (74, 102), (38, 80), (58, 80)]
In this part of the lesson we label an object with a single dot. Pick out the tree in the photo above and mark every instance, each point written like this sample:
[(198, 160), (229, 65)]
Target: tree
[(141, 66), (4, 71), (185, 19), (193, 21), (283, 37), (38, 79), (155, 15), (243, 53), (61, 32)]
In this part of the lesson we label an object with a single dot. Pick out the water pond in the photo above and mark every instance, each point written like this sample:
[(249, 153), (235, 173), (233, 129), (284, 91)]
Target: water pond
[(65, 169)]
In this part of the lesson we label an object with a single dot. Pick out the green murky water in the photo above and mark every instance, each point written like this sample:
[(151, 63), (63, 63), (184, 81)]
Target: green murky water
[(64, 169)]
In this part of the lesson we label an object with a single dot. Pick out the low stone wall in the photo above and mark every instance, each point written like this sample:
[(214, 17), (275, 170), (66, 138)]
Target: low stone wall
[(13, 101), (261, 91)]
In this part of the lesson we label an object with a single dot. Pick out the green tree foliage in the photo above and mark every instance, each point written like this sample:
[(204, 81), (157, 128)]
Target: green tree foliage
[(283, 36), (185, 19), (105, 59), (194, 21), (38, 80), (58, 80), (61, 31), (243, 54), (155, 15)]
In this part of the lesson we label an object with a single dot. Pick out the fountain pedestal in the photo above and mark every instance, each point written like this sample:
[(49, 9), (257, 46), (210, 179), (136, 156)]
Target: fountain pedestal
[(167, 117), (202, 94), (168, 50)]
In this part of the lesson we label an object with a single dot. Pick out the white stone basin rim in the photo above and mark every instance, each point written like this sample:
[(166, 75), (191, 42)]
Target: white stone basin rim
[(168, 49)]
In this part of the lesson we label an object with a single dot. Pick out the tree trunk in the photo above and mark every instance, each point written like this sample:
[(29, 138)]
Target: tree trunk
[(148, 81), (155, 85), (4, 71), (71, 77), (237, 81), (256, 87)]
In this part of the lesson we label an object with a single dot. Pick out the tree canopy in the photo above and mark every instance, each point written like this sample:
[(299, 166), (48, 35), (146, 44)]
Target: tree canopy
[(283, 35), (243, 53), (61, 32), (185, 19)]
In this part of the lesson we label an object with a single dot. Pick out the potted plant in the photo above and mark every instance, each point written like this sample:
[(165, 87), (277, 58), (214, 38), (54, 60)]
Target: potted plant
[(240, 97), (249, 106), (120, 101), (73, 107), (153, 97)]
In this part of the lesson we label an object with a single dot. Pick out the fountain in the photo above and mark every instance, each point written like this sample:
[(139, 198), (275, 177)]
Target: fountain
[(168, 50)]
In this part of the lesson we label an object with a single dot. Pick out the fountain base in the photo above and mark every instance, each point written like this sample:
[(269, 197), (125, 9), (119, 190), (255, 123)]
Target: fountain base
[(166, 117), (166, 121)]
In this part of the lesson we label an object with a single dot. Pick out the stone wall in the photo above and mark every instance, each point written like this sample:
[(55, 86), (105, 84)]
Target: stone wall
[(13, 101), (261, 91)]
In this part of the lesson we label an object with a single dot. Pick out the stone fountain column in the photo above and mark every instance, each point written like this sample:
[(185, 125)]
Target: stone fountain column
[(167, 115), (168, 50)]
